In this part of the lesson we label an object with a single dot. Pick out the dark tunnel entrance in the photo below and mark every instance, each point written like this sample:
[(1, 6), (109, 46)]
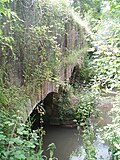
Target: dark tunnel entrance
[(49, 105)]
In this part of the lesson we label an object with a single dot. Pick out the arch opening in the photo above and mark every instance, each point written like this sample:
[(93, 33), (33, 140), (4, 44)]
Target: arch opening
[(49, 105)]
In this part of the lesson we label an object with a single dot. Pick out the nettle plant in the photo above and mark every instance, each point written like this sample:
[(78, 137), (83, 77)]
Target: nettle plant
[(106, 63), (17, 141), (13, 145), (86, 108), (84, 111), (88, 137)]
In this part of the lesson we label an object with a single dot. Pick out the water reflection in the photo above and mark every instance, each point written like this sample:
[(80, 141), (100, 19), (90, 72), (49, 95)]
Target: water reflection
[(66, 140), (69, 144), (101, 149)]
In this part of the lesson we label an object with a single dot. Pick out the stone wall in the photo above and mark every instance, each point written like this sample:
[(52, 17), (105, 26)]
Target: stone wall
[(72, 39)]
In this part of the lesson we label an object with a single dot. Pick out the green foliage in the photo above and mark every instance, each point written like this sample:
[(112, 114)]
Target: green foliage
[(44, 63), (16, 139), (3, 9), (111, 132), (88, 137), (40, 41), (74, 56), (7, 17), (86, 71), (86, 108), (51, 148), (33, 48), (13, 98), (106, 64), (65, 108), (106, 61)]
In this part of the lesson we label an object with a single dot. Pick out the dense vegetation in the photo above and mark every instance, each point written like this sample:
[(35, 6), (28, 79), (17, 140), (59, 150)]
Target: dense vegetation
[(106, 64), (33, 40), (33, 49)]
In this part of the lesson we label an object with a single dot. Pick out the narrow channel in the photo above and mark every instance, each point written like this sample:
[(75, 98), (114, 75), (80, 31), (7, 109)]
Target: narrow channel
[(68, 141)]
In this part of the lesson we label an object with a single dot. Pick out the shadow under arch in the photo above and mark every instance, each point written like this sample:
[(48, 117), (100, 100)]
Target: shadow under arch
[(49, 105)]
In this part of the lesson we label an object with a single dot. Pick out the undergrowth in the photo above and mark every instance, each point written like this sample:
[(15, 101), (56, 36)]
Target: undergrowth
[(16, 139), (111, 132)]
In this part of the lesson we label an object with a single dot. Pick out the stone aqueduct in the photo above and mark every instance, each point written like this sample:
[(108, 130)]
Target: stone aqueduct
[(48, 87), (71, 41)]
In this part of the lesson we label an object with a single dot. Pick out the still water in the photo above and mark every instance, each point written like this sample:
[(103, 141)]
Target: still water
[(68, 141), (69, 144)]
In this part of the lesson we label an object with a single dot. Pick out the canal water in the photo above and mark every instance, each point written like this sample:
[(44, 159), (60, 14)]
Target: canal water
[(68, 141)]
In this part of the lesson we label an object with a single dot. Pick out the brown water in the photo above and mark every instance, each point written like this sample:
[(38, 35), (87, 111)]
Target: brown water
[(69, 142), (66, 140)]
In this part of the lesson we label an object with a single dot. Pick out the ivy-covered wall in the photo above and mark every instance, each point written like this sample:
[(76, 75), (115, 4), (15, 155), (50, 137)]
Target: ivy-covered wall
[(45, 43)]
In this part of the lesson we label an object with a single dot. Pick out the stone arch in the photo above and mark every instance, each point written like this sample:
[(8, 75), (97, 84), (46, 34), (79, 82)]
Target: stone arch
[(49, 105)]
